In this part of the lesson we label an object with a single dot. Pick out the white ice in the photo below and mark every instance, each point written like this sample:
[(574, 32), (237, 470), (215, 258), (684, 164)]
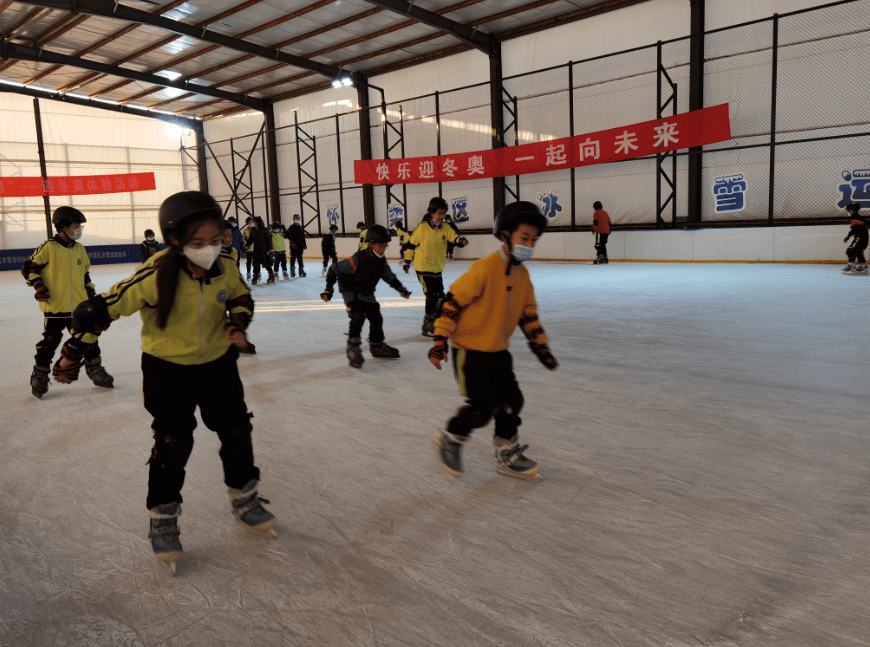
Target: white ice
[(703, 447)]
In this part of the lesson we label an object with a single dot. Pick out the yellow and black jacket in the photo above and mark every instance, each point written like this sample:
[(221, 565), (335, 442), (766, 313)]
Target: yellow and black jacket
[(485, 304), (278, 244), (194, 333), (246, 235), (427, 246), (232, 252), (362, 239), (63, 268)]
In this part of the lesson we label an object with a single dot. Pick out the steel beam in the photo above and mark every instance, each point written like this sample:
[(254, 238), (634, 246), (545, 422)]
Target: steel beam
[(110, 9), (26, 53), (472, 36), (40, 149), (271, 144), (696, 102)]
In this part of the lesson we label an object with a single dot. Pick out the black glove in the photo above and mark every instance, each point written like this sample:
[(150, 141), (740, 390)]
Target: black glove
[(42, 294), (404, 293), (462, 242), (438, 352), (67, 374), (326, 296), (846, 239), (406, 265), (543, 354)]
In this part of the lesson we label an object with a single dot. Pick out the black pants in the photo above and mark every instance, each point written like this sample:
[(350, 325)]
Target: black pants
[(433, 288), (279, 258), (855, 253), (172, 392), (359, 311), (262, 260), (249, 258), (296, 257), (601, 244), (488, 383), (326, 258), (52, 335)]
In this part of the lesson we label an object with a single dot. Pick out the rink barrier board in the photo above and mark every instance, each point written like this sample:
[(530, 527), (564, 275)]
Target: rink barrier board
[(13, 259)]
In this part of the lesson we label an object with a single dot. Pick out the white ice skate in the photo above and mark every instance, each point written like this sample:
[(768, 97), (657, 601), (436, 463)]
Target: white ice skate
[(249, 511), (164, 534), (510, 461)]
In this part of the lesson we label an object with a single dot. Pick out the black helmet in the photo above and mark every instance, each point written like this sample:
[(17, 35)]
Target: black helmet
[(377, 234), (181, 206), (360, 225), (512, 215), (65, 216), (597, 205), (333, 227), (276, 224), (437, 203), (149, 232), (849, 207)]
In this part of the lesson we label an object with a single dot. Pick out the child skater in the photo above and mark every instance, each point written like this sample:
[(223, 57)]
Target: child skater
[(279, 249), (478, 316), (248, 243), (357, 277), (855, 253), (58, 271), (227, 242), (296, 235), (327, 246), (195, 309), (149, 246), (601, 229)]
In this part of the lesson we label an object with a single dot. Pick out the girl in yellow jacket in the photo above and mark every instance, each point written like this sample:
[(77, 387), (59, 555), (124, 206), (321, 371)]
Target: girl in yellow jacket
[(479, 315), (195, 308)]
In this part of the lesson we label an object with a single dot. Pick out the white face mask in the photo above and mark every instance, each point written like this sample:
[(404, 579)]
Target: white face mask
[(521, 253), (150, 239), (204, 257), (77, 233), (376, 254)]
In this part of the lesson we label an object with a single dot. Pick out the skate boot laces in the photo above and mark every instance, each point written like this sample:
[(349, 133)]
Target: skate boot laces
[(513, 454)]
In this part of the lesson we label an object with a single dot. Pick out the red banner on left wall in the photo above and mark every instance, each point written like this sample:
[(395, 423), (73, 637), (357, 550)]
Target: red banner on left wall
[(28, 187)]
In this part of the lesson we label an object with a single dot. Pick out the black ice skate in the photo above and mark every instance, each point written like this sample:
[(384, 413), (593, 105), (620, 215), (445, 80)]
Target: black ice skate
[(99, 375), (383, 350), (39, 380), (849, 269), (286, 276), (302, 273), (271, 279), (354, 354), (509, 460), (164, 534), (292, 273), (428, 329), (597, 260), (248, 349), (448, 449), (249, 511)]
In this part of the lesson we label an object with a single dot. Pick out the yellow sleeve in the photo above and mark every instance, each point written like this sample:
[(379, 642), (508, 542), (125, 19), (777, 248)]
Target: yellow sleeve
[(239, 302), (127, 297), (414, 241), (33, 267), (467, 289), (452, 236)]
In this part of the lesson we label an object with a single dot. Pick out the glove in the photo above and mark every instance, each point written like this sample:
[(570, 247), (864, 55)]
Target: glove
[(406, 265), (404, 293), (543, 354), (66, 369), (846, 239), (326, 296), (462, 242), (234, 329), (42, 294), (438, 352)]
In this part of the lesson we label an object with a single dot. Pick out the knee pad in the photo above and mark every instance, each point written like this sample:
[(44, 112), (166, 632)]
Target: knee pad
[(474, 415), (237, 440), (514, 403), (50, 341), (172, 452), (357, 315)]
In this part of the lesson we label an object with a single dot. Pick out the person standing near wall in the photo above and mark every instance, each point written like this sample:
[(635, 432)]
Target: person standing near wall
[(428, 249), (858, 231), (248, 244), (327, 246), (58, 271), (261, 244), (296, 235), (601, 229)]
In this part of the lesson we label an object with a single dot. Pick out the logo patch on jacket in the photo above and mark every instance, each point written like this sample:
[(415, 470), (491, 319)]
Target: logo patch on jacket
[(222, 296), (78, 261)]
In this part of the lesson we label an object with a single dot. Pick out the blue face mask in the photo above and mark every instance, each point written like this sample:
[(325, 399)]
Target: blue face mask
[(520, 253)]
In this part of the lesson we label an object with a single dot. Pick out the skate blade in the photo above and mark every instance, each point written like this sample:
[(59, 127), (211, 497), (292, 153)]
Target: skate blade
[(450, 473), (169, 560), (266, 530), (533, 477)]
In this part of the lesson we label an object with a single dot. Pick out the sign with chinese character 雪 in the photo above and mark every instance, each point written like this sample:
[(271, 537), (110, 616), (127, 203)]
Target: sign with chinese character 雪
[(729, 193), (25, 187), (696, 128)]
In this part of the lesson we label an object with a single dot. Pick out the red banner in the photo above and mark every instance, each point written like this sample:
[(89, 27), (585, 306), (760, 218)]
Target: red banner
[(25, 187), (696, 128)]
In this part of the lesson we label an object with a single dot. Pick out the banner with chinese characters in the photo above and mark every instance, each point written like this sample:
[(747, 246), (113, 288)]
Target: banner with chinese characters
[(696, 128), (24, 187)]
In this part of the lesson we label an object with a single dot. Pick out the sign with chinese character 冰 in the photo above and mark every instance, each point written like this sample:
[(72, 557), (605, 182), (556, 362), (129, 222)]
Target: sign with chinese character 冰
[(26, 187), (460, 209), (856, 189), (687, 130)]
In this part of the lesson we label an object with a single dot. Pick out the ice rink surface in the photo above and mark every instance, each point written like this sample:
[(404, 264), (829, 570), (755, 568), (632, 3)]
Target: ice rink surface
[(703, 445)]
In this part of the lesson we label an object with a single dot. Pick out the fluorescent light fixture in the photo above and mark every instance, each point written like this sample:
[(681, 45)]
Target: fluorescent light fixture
[(342, 81), (346, 81), (336, 83)]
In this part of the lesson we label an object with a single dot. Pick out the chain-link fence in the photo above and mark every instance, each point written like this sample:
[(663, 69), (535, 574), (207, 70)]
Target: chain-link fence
[(797, 155)]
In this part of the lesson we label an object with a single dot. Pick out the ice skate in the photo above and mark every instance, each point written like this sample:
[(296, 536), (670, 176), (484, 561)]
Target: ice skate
[(255, 280), (428, 329), (292, 274), (39, 381), (248, 349), (448, 449), (597, 260), (164, 534), (286, 276), (323, 273), (861, 269), (249, 276), (302, 273), (509, 460), (604, 260), (849, 269), (99, 376), (249, 511), (354, 354), (270, 280), (383, 350)]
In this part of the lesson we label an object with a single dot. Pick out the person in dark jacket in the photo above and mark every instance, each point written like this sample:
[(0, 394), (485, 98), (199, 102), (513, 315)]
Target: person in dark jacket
[(858, 232), (327, 246), (296, 235), (260, 241), (149, 246), (238, 238), (357, 278)]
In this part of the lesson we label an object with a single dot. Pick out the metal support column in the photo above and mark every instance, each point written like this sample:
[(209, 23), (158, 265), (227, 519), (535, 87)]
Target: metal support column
[(340, 178), (200, 156), (437, 135), (773, 83), (510, 104), (40, 147), (496, 111), (365, 152), (696, 102), (661, 158), (271, 162), (571, 134), (310, 144), (399, 133)]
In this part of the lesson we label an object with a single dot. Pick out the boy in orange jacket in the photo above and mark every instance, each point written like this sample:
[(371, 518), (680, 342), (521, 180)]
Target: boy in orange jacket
[(478, 315)]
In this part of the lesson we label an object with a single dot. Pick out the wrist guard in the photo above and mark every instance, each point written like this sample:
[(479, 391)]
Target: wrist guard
[(542, 352), (68, 374), (439, 349), (42, 294)]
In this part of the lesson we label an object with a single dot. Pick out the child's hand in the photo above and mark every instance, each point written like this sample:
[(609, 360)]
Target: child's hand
[(406, 265), (235, 332), (543, 354), (404, 293), (326, 296), (438, 352), (846, 239), (42, 294)]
